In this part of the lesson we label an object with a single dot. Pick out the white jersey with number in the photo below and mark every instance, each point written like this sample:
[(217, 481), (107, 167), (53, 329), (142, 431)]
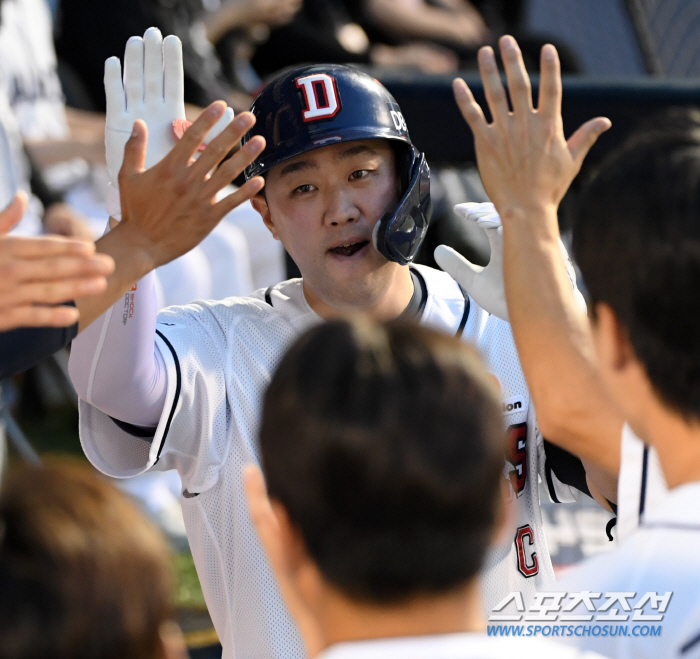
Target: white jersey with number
[(220, 357)]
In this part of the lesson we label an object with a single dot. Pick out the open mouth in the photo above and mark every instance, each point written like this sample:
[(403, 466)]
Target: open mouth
[(349, 249)]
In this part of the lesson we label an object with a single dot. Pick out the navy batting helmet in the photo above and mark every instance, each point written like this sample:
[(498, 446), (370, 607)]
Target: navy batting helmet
[(314, 106)]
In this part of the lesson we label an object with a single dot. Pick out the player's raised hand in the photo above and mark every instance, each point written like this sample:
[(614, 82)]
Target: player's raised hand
[(168, 209), (525, 162), (270, 534), (36, 274), (484, 284), (152, 89)]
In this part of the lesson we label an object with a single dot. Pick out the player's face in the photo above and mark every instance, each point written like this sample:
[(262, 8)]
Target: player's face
[(323, 206)]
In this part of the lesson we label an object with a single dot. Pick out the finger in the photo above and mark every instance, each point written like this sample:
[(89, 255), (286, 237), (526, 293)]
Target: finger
[(475, 210), (549, 102), (133, 73), (220, 147), (60, 268), (135, 151), (220, 126), (234, 166), (56, 292), (114, 88), (470, 109), (174, 81), (32, 316), (13, 213), (493, 87), (39, 247), (585, 137), (153, 66), (240, 196), (516, 74), (185, 149), (453, 263)]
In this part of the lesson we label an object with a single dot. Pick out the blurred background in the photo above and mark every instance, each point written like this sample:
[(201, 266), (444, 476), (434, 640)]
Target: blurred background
[(625, 59)]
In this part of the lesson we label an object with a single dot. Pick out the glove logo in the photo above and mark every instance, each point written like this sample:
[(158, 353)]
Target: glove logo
[(320, 95)]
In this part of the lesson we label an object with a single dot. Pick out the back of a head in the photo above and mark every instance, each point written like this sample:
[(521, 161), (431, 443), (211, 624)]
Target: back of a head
[(82, 573), (637, 241), (384, 445)]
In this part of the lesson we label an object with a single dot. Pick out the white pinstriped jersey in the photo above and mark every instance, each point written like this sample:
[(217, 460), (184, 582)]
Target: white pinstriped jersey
[(220, 357)]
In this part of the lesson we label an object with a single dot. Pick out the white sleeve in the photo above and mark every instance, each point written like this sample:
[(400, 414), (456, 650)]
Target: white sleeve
[(195, 410), (115, 364)]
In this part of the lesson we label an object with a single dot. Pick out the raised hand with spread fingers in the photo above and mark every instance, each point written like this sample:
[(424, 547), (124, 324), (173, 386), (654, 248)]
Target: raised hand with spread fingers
[(526, 165), (152, 89)]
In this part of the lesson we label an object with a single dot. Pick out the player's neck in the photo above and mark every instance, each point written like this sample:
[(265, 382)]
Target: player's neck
[(677, 441), (389, 306), (344, 620)]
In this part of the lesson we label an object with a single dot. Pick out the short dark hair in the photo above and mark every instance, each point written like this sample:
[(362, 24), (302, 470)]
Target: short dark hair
[(384, 443), (636, 238), (82, 574)]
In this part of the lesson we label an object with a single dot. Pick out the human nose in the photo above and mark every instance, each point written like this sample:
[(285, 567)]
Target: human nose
[(341, 209)]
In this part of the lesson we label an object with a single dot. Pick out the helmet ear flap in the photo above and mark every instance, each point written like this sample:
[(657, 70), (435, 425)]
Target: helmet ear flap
[(398, 235)]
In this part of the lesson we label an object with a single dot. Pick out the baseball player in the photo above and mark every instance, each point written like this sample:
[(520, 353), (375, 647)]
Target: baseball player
[(636, 241), (377, 521), (348, 195)]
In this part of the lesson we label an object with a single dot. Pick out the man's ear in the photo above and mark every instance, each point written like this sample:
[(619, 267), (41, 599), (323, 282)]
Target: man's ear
[(612, 339), (259, 203), (292, 543), (306, 575)]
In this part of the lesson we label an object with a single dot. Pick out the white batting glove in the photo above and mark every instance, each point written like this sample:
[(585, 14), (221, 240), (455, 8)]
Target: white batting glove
[(485, 284), (152, 90)]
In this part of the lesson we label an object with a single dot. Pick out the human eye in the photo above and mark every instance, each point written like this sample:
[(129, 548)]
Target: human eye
[(359, 173), (303, 189)]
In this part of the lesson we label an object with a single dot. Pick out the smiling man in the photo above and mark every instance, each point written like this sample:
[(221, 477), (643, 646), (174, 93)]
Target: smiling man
[(349, 196)]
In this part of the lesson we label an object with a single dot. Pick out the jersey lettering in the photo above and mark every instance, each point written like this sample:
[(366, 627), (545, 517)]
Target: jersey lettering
[(320, 95), (516, 456), (528, 565)]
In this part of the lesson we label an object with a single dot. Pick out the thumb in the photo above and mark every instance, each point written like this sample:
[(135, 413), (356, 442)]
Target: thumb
[(13, 213), (585, 137), (455, 265), (135, 151)]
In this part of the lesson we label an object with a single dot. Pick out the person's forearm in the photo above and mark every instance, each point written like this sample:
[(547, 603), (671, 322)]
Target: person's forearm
[(421, 23), (229, 16), (132, 262), (555, 344), (115, 364)]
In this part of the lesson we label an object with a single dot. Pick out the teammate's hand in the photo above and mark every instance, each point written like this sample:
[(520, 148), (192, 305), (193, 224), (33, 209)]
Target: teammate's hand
[(484, 284), (38, 273), (524, 160), (268, 528), (171, 207), (153, 91)]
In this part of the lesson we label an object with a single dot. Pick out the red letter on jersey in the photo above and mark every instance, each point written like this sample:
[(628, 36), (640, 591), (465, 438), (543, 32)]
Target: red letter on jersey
[(321, 96), (517, 456), (528, 567)]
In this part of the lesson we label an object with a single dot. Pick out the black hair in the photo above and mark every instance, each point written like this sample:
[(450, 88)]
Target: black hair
[(636, 238), (384, 443)]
